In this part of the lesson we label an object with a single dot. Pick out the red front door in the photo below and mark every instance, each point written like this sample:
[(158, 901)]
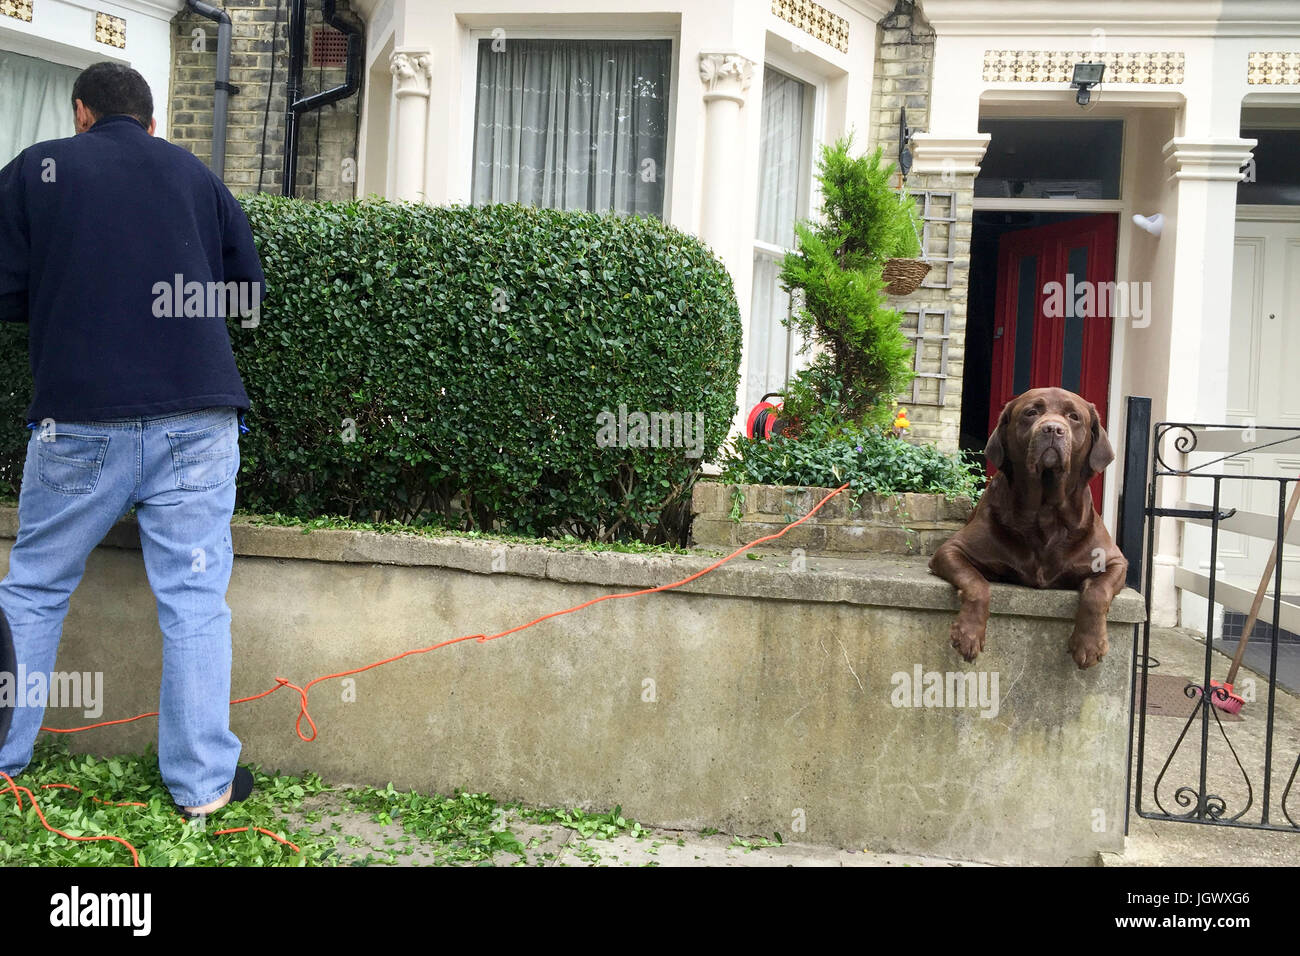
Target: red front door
[(1055, 296)]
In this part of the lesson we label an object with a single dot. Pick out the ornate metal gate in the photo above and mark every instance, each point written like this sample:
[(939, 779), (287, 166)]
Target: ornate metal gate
[(1222, 768)]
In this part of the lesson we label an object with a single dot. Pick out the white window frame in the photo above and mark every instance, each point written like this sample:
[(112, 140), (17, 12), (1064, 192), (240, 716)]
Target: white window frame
[(809, 192), (469, 98), (1127, 155)]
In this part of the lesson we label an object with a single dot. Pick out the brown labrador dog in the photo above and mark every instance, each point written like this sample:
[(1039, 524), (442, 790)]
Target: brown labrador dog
[(1035, 524)]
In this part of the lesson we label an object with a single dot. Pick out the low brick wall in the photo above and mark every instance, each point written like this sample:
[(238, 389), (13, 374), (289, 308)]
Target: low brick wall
[(871, 524), (823, 703)]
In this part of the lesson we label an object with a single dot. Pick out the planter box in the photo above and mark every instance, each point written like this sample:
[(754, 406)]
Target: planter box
[(873, 524)]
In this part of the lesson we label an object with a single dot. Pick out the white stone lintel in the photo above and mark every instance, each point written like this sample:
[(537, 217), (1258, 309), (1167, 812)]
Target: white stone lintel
[(955, 155), (1215, 159)]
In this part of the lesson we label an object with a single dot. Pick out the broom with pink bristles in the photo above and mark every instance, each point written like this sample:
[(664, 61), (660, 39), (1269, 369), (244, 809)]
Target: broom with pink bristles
[(1232, 703)]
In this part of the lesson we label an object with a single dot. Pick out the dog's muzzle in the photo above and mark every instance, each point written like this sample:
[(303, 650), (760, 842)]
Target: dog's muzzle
[(1049, 446)]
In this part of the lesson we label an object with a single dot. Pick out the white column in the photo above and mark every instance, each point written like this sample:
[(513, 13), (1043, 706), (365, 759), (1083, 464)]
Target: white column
[(1207, 171), (411, 69), (726, 78)]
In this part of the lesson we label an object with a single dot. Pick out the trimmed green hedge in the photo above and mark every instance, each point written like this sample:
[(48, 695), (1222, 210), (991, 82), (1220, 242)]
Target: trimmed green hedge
[(15, 396), (448, 364)]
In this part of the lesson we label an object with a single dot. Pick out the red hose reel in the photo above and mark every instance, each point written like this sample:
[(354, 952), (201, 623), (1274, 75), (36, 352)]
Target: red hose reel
[(765, 421)]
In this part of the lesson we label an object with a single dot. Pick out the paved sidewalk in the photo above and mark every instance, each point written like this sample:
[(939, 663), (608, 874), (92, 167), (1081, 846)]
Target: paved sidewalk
[(365, 842)]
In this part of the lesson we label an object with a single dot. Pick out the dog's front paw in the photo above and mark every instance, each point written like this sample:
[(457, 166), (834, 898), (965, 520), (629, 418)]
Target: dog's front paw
[(1088, 647), (967, 636)]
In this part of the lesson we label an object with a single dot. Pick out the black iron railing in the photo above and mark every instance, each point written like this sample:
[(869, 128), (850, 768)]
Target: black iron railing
[(1179, 452)]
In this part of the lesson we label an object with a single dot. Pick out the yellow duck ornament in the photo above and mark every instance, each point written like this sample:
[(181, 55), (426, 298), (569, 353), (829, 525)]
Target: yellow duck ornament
[(901, 424)]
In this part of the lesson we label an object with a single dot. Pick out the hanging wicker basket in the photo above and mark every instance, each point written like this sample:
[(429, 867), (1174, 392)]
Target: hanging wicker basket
[(904, 276)]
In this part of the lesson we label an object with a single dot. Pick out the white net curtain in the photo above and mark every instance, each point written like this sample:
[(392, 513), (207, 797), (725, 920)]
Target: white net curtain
[(572, 124), (783, 173), (35, 102)]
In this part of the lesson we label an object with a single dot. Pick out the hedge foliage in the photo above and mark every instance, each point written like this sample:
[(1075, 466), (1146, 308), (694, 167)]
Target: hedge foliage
[(15, 396), (448, 364)]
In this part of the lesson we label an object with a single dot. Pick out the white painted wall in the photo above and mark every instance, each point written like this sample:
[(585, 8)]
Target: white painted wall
[(63, 31), (1144, 258)]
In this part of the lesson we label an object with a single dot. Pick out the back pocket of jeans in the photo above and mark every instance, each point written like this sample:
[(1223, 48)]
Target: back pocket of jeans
[(70, 463), (205, 459)]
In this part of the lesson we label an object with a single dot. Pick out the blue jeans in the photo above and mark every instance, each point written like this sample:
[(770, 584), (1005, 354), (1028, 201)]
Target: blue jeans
[(178, 470)]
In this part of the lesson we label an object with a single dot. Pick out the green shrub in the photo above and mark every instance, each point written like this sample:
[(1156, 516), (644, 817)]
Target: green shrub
[(860, 200), (15, 396), (871, 459), (466, 352), (837, 265)]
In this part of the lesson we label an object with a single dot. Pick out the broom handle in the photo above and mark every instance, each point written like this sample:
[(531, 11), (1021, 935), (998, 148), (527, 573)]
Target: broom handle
[(1263, 586)]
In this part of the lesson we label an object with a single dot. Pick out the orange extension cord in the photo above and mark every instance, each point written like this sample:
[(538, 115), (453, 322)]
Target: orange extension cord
[(280, 682)]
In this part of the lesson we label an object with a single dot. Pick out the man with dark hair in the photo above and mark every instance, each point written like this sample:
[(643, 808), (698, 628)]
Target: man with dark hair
[(105, 237), (108, 89)]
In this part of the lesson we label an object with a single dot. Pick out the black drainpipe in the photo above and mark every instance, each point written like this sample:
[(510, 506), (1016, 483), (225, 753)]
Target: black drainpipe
[(221, 97), (298, 107)]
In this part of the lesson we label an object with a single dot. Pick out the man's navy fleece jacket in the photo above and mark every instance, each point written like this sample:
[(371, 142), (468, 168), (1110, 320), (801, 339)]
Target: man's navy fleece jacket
[(92, 229)]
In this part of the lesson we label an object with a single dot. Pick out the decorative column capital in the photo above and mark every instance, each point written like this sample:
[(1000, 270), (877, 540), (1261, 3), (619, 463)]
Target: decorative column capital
[(412, 69), (1216, 159), (726, 76), (948, 155)]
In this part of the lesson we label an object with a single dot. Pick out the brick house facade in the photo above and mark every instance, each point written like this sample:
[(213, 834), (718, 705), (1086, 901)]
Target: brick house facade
[(935, 313), (258, 66)]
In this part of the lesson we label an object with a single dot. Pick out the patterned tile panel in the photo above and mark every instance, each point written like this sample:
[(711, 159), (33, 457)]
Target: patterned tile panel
[(18, 9), (110, 30), (1273, 69), (1057, 66), (815, 20)]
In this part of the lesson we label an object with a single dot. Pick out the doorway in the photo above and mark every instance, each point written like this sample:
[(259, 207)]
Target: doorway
[(1038, 313), (1262, 384)]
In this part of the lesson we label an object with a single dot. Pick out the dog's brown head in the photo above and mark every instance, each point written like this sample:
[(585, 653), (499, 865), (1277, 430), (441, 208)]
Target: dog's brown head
[(1049, 432)]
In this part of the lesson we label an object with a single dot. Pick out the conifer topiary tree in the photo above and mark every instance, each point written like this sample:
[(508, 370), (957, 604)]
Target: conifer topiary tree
[(837, 265)]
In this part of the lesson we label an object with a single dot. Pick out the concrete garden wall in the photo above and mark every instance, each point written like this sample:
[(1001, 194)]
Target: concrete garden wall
[(871, 524), (757, 699)]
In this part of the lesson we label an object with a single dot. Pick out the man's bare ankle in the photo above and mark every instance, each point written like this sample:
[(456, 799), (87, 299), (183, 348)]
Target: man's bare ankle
[(216, 804)]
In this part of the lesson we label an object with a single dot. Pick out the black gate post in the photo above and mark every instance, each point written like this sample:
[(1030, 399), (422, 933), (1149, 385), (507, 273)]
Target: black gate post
[(1129, 529), (1132, 493)]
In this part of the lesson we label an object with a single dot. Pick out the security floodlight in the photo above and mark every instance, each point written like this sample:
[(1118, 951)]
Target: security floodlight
[(1086, 76)]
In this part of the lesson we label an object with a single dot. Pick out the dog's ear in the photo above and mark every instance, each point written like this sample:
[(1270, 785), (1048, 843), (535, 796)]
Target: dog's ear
[(995, 450), (1101, 453)]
